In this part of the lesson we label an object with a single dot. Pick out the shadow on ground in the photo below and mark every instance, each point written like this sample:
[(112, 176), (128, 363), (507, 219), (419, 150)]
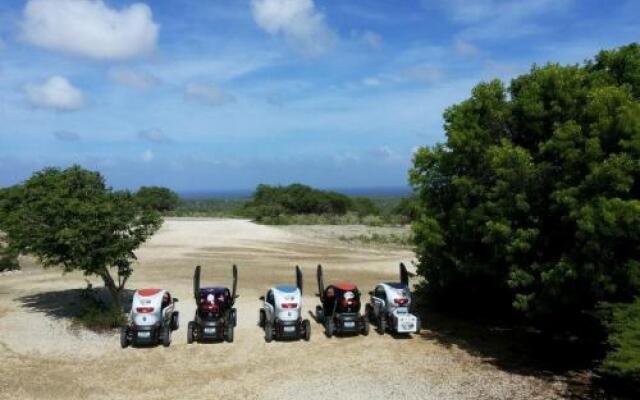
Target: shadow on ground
[(70, 303), (519, 351)]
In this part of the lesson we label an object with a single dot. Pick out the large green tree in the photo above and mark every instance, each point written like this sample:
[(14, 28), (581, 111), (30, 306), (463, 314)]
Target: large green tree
[(158, 198), (71, 219), (532, 206)]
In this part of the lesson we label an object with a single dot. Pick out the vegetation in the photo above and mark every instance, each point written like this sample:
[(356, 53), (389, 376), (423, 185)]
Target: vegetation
[(157, 198), (208, 208), (531, 208), (70, 219), (621, 367), (374, 238), (8, 256)]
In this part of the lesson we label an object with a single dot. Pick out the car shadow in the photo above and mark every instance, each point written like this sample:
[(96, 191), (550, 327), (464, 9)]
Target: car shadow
[(518, 351)]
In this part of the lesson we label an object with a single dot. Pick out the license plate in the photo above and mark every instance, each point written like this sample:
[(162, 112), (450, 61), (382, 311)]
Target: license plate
[(349, 324), (144, 335), (209, 331), (289, 328), (408, 327)]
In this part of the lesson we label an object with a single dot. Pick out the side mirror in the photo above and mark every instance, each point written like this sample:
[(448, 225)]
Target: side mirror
[(317, 294), (236, 296), (370, 292), (261, 298), (175, 299)]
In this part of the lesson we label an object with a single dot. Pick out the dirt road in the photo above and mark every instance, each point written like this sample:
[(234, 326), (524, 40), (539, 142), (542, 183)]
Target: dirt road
[(43, 357)]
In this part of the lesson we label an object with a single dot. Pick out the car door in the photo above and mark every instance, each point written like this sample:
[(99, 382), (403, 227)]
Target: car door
[(379, 300), (269, 306)]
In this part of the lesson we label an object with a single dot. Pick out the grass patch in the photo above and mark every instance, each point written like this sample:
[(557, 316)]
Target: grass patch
[(380, 239), (96, 315), (349, 218)]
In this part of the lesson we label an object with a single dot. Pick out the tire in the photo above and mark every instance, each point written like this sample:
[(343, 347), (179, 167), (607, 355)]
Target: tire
[(382, 325), (166, 336), (306, 326), (190, 328), (319, 314), (268, 332), (368, 312), (228, 337), (329, 328), (234, 317), (175, 321), (262, 318), (124, 336), (365, 327)]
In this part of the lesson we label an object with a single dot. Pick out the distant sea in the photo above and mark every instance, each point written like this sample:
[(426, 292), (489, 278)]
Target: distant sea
[(245, 193)]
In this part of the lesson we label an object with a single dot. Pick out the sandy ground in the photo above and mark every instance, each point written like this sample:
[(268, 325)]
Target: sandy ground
[(44, 357)]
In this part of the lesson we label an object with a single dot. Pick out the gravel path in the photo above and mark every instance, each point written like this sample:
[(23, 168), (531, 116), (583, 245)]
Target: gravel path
[(44, 356)]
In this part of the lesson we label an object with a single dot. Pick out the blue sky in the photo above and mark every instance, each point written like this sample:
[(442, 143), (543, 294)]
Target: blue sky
[(217, 95)]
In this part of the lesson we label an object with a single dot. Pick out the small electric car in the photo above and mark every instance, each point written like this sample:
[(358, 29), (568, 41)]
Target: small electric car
[(340, 309), (389, 306), (281, 312), (151, 320), (215, 316)]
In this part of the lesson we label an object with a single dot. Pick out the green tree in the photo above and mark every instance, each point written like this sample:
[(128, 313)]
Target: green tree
[(532, 206), (158, 198), (70, 219)]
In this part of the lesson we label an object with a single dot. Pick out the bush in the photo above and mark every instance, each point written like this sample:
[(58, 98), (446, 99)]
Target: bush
[(157, 198), (100, 317), (531, 209), (621, 366)]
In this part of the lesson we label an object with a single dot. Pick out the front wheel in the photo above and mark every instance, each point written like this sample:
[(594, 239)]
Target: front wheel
[(306, 326), (124, 336), (262, 318), (330, 328), (319, 314), (382, 325), (268, 332), (166, 336), (365, 327), (229, 334), (190, 328)]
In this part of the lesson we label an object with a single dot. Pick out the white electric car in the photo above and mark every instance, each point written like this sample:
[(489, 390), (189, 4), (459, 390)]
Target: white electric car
[(281, 312), (389, 306), (151, 320)]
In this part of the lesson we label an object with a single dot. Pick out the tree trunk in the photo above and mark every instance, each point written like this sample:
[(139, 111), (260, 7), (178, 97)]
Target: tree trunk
[(111, 286)]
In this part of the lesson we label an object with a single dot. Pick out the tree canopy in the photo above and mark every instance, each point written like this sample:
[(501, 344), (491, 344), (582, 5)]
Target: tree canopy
[(157, 198), (531, 208), (70, 219)]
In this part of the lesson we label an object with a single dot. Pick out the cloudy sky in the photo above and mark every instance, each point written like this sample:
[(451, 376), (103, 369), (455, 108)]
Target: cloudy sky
[(224, 94)]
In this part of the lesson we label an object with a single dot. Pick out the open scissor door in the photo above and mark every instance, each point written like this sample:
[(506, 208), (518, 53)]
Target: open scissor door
[(196, 283), (299, 282)]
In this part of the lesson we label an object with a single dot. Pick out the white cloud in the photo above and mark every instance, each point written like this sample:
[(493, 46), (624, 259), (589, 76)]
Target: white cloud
[(423, 73), (298, 21), (56, 93), (369, 38), (90, 28), (66, 136), (132, 78), (465, 49), (154, 136), (208, 94), (148, 156), (371, 81)]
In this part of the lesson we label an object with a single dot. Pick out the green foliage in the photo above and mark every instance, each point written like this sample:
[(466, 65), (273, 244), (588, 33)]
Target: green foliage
[(157, 198), (622, 363), (98, 316), (70, 219), (8, 256), (231, 207), (272, 202), (532, 206), (407, 208), (376, 239)]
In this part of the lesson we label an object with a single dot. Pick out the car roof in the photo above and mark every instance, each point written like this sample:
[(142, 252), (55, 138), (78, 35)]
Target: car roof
[(346, 286), (148, 292), (286, 289), (396, 285)]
